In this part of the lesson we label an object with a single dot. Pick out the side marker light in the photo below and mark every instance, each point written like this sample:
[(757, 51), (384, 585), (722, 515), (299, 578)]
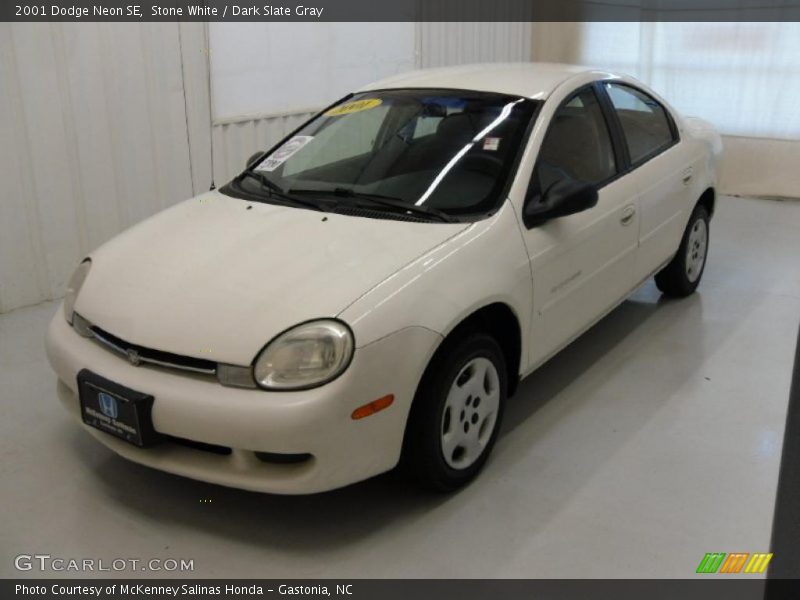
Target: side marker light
[(373, 407)]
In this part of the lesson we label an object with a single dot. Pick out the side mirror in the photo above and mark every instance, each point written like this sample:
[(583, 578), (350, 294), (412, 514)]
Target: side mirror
[(254, 158), (565, 197)]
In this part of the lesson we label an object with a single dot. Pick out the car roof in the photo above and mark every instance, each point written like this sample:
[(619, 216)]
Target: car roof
[(529, 80)]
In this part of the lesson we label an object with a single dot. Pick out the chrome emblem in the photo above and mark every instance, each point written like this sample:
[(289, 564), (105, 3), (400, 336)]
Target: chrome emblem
[(108, 405), (133, 357)]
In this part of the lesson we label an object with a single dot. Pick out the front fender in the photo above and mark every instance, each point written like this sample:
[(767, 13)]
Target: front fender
[(484, 264)]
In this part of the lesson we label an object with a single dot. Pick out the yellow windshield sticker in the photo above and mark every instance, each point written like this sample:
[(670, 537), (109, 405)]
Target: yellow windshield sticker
[(353, 107)]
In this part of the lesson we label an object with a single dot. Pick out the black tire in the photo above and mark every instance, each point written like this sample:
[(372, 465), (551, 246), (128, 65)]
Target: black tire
[(675, 279), (423, 457)]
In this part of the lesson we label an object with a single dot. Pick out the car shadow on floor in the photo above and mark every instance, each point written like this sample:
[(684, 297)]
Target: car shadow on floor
[(335, 519), (550, 379)]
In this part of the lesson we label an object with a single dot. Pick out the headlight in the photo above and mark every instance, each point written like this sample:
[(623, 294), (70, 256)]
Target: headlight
[(305, 356), (74, 286)]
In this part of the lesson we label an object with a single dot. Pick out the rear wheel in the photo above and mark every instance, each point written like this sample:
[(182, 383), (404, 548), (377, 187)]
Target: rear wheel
[(682, 275), (456, 414)]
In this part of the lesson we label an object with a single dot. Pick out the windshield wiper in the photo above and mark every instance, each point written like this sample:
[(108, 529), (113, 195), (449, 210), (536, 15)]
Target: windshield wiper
[(381, 200), (275, 190)]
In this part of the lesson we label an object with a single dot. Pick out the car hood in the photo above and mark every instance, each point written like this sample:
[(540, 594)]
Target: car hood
[(216, 277)]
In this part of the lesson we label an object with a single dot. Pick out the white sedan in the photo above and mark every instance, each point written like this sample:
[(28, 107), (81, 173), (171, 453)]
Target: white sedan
[(371, 290)]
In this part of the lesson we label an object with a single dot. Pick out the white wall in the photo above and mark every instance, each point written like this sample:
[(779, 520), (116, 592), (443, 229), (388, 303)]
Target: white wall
[(443, 44), (93, 138), (267, 67), (760, 167)]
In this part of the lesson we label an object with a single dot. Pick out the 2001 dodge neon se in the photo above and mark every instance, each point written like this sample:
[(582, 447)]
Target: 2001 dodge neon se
[(371, 290)]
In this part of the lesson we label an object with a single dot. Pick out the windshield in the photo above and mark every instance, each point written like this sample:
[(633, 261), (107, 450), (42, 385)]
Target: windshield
[(443, 152)]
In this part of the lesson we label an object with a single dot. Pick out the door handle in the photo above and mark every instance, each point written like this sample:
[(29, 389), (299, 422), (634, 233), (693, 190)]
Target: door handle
[(687, 176), (627, 215)]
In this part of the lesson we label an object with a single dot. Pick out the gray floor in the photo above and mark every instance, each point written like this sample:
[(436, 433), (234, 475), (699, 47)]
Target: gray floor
[(652, 440)]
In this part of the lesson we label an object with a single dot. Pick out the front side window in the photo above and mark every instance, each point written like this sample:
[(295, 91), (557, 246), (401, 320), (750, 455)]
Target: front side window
[(577, 146), (445, 150), (644, 121)]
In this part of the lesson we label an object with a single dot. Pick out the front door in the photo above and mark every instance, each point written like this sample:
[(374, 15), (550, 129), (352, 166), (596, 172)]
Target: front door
[(583, 263)]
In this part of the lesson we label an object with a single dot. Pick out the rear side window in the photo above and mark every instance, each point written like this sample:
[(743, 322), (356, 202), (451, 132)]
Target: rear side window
[(644, 121), (577, 146)]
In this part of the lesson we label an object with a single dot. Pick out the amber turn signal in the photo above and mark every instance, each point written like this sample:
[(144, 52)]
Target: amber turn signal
[(373, 407)]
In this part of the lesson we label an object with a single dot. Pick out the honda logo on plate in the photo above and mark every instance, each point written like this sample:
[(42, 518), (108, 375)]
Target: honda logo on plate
[(108, 405)]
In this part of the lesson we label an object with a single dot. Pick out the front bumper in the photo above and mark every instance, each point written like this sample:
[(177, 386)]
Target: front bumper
[(316, 422)]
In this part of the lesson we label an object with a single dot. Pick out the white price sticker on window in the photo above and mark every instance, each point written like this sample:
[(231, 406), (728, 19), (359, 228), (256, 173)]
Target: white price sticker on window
[(491, 143), (282, 154)]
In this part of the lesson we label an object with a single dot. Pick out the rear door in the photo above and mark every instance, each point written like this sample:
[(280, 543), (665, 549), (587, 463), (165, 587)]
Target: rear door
[(661, 171)]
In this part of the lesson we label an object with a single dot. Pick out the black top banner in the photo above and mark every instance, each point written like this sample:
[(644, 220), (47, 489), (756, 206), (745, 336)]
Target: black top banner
[(400, 10)]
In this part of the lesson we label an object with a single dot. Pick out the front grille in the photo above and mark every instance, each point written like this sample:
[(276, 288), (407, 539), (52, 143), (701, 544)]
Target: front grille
[(139, 354)]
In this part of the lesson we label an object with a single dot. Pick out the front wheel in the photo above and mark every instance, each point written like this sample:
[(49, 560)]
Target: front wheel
[(456, 414), (682, 275)]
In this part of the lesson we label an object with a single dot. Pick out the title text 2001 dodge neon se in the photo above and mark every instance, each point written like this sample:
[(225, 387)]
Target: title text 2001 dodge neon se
[(371, 290)]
